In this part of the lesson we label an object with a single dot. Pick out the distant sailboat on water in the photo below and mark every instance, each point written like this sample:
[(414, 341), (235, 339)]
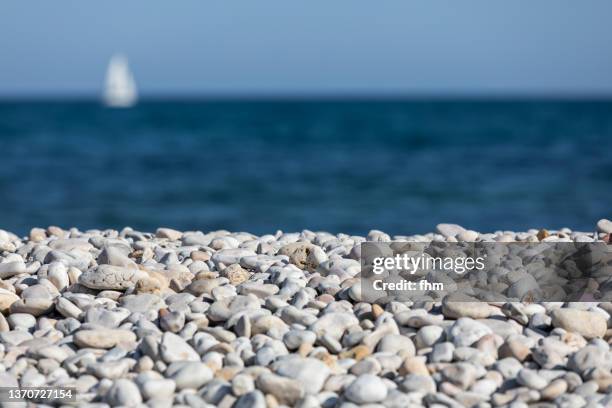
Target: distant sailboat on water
[(119, 87)]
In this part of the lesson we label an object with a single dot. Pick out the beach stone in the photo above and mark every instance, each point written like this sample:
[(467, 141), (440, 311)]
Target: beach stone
[(33, 306), (231, 256), (418, 383), (531, 379), (254, 399), (590, 357), (21, 321), (553, 390), (604, 226), (189, 375), (334, 324), (242, 384), (366, 389), (588, 324), (110, 369), (10, 269), (484, 387), (104, 339), (112, 255), (287, 391), (223, 309), (462, 375), (514, 347), (466, 331), (7, 298), (309, 372), (168, 233), (58, 275), (107, 318), (14, 337), (395, 343), (37, 235), (124, 393), (304, 255), (413, 365), (236, 274), (157, 389), (508, 367), (467, 236), (173, 348), (142, 303), (171, 321), (449, 230), (456, 306), (67, 309), (427, 336), (442, 353), (111, 277)]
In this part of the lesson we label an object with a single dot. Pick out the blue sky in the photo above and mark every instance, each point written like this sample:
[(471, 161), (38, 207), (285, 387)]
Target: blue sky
[(315, 46)]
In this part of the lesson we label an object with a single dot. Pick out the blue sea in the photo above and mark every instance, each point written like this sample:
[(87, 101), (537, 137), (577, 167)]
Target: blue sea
[(340, 166)]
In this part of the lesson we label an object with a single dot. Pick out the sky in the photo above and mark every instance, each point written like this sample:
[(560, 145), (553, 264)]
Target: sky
[(193, 47)]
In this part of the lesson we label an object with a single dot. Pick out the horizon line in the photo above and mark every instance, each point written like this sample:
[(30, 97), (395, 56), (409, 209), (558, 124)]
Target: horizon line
[(314, 96)]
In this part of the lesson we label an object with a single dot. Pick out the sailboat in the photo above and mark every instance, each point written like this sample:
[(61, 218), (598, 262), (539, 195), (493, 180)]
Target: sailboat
[(120, 87)]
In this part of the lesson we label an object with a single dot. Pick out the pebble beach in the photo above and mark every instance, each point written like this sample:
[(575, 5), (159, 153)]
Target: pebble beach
[(234, 320)]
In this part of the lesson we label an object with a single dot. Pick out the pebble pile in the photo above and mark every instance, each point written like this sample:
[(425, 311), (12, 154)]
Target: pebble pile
[(225, 319)]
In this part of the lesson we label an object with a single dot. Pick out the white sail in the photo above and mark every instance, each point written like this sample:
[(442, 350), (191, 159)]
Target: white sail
[(120, 88)]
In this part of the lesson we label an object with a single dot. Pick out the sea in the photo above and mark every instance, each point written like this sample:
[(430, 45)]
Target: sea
[(350, 166)]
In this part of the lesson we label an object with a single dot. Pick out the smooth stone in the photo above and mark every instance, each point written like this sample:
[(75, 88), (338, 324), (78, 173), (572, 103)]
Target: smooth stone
[(110, 369), (174, 348), (508, 367), (124, 393), (462, 375), (531, 379), (457, 305), (287, 391), (34, 306), (396, 343), (107, 318), (466, 331), (142, 303), (242, 384), (590, 357), (310, 372), (449, 230), (14, 337), (418, 383), (254, 399), (515, 347), (334, 324), (7, 298), (66, 308), (22, 321), (442, 353), (104, 339), (190, 375), (427, 336), (366, 389), (588, 324), (10, 269), (168, 233), (160, 388), (112, 255), (58, 275), (604, 226)]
